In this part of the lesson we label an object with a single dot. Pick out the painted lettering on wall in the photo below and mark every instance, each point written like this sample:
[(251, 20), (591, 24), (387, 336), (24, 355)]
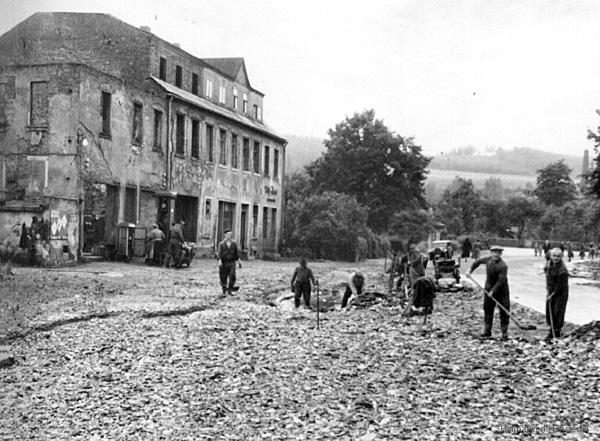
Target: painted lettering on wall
[(188, 176)]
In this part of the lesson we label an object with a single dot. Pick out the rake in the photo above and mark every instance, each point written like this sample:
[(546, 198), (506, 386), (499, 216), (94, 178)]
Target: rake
[(523, 327)]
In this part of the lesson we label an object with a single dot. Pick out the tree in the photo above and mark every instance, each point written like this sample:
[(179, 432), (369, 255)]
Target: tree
[(554, 184), (521, 212), (458, 206), (382, 170), (593, 177), (413, 225), (297, 190), (493, 189), (331, 224), (491, 217)]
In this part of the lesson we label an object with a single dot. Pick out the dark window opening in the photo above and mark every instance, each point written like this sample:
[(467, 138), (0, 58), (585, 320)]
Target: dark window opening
[(195, 82), (106, 99), (266, 165), (157, 142), (276, 163), (130, 205), (234, 151), (195, 138), (246, 155), (222, 147), (178, 76), (256, 157), (254, 220), (265, 224), (162, 70), (138, 133), (180, 135), (210, 147)]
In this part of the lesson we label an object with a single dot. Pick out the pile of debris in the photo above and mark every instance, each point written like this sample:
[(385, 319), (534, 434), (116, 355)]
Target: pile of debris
[(589, 331)]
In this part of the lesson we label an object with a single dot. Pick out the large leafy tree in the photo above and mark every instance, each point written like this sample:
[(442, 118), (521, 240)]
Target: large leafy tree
[(491, 217), (330, 224), (381, 169), (554, 184), (458, 206), (522, 212)]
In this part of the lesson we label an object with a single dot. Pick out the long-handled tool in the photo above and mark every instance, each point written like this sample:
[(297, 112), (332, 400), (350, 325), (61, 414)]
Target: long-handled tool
[(523, 327), (318, 306), (551, 313)]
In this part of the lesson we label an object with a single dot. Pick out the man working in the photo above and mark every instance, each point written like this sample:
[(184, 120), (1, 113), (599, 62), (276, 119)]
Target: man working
[(557, 286), (496, 285), (301, 280), (228, 255), (175, 241)]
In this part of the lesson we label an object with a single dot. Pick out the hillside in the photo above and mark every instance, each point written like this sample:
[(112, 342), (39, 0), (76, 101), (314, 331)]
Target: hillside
[(301, 150), (517, 161)]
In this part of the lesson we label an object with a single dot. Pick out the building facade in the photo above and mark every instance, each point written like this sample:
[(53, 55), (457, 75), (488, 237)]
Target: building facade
[(103, 123)]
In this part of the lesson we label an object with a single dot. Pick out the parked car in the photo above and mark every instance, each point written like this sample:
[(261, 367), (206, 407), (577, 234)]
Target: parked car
[(442, 249)]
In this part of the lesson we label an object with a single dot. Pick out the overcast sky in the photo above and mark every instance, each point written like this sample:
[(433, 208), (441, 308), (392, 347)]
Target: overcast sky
[(449, 73)]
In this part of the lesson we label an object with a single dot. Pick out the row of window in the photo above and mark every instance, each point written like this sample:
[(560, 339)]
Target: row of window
[(208, 89), (228, 152)]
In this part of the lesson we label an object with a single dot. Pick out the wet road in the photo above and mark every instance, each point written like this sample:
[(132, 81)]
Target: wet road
[(528, 286)]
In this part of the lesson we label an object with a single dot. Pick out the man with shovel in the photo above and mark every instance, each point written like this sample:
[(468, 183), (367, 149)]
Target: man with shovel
[(557, 284), (496, 286)]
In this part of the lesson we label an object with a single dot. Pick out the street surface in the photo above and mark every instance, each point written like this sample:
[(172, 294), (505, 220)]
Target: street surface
[(528, 286)]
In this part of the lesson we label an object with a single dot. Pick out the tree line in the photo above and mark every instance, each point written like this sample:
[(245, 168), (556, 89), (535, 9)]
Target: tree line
[(368, 188)]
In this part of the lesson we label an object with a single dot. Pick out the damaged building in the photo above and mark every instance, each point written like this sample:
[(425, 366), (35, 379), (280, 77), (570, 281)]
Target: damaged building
[(103, 124)]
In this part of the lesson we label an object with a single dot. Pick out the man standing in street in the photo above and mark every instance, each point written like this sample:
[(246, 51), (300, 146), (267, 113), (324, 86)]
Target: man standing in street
[(557, 285), (228, 255), (175, 241), (301, 287), (496, 285)]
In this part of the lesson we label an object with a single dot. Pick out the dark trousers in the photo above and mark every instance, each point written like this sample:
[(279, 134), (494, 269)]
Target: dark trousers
[(488, 309), (227, 271), (556, 307), (302, 290), (348, 293), (174, 251)]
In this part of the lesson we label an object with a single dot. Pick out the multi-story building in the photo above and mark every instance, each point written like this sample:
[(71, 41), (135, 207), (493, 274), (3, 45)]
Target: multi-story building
[(103, 123)]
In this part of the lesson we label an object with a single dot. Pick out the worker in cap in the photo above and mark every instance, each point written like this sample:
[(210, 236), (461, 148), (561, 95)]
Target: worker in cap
[(496, 284)]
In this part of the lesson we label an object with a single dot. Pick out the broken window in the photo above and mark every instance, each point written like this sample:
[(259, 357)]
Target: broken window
[(106, 101), (38, 112), (137, 124)]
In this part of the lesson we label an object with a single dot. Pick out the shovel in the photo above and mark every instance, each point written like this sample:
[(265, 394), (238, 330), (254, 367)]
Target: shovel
[(523, 327)]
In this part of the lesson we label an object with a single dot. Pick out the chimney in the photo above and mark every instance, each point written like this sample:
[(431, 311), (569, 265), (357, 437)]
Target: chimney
[(145, 28), (177, 45)]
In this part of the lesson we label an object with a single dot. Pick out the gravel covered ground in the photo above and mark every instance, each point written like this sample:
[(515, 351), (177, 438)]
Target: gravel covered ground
[(127, 352)]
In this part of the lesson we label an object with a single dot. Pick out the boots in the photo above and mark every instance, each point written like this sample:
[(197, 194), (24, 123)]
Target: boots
[(504, 330), (487, 331)]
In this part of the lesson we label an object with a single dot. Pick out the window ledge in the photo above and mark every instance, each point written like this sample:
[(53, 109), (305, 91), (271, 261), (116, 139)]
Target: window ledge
[(37, 128), (105, 136)]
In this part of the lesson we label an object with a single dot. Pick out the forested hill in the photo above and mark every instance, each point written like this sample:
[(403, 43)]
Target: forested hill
[(301, 150), (517, 161)]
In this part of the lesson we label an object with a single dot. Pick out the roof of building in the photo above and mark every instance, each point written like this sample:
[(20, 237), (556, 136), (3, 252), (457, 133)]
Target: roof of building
[(211, 107)]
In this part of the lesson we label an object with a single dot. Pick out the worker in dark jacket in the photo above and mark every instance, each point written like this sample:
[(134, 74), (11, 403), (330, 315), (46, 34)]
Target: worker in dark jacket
[(496, 285), (301, 280), (228, 255), (557, 286), (175, 241)]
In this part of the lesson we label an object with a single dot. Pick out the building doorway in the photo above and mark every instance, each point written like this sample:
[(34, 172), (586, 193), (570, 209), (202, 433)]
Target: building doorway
[(244, 227), (226, 218), (186, 208)]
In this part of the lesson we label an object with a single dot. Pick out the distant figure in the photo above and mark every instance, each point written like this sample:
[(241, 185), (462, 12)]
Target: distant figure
[(301, 280), (592, 252), (228, 255), (466, 249), (546, 247), (175, 241), (557, 286), (477, 249), (354, 283), (582, 251), (535, 249), (570, 254)]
